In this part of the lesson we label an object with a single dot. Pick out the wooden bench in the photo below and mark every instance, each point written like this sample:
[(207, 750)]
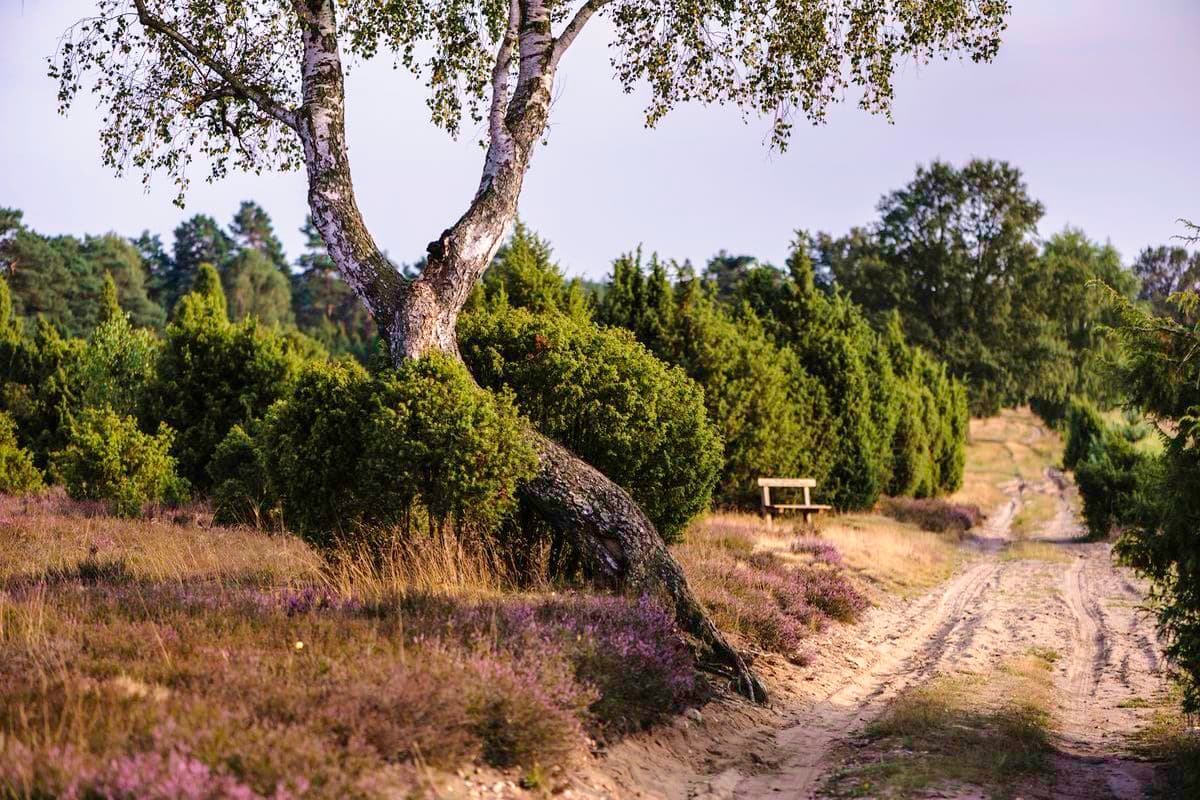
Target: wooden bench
[(807, 508)]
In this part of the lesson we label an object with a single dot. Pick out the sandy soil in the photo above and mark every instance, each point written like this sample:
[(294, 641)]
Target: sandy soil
[(1074, 601)]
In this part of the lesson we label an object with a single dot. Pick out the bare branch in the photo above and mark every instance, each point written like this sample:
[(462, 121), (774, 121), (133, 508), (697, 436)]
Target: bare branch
[(1190, 238), (585, 13), (268, 104)]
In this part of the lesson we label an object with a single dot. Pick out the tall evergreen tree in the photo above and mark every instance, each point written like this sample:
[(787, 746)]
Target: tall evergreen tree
[(254, 287), (36, 272), (251, 229), (157, 263), (111, 255), (325, 306), (524, 270), (198, 240)]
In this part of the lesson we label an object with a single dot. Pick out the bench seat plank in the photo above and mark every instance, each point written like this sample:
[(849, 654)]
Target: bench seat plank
[(788, 483), (813, 507)]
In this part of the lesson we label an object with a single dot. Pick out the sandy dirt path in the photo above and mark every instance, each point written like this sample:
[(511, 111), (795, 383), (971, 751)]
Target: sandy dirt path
[(1070, 600)]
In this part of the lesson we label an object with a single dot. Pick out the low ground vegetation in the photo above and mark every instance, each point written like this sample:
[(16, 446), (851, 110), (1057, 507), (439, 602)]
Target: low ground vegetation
[(988, 730), (1173, 738), (166, 655), (773, 603)]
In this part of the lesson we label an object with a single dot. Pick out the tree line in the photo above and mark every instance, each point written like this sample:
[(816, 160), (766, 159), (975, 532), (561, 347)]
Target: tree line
[(60, 278)]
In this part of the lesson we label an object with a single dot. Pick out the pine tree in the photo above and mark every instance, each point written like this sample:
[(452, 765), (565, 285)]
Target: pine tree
[(252, 230), (198, 240)]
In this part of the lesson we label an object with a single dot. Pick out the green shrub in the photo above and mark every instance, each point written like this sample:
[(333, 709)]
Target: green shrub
[(1085, 431), (117, 365), (770, 413), (239, 480), (912, 473), (1117, 482), (18, 475), (108, 458), (213, 374), (347, 451), (1161, 372), (41, 388), (604, 396)]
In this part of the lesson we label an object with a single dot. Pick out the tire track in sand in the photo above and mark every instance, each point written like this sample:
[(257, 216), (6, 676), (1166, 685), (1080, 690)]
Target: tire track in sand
[(918, 641)]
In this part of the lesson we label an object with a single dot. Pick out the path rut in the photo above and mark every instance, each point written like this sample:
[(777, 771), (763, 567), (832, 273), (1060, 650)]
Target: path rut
[(1077, 604)]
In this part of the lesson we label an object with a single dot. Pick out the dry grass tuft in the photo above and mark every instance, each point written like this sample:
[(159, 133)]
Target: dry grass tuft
[(1026, 550), (1037, 510), (895, 557), (54, 535), (985, 730)]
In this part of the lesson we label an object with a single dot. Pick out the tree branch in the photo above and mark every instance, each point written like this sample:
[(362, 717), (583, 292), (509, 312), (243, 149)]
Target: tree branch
[(500, 147), (585, 13), (265, 102), (1190, 238)]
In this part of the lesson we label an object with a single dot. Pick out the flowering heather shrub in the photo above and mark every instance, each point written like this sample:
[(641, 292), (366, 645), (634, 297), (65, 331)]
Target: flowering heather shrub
[(222, 684), (307, 599), (175, 775), (629, 652), (526, 711), (821, 550), (70, 774), (928, 514), (416, 709), (775, 605)]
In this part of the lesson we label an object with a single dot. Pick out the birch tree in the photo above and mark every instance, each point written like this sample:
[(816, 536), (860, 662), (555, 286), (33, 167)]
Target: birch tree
[(259, 84)]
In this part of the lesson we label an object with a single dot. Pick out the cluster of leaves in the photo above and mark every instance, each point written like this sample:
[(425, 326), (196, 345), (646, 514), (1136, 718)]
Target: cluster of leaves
[(954, 252)]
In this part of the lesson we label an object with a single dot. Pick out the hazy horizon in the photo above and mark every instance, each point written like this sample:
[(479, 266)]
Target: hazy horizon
[(1090, 99)]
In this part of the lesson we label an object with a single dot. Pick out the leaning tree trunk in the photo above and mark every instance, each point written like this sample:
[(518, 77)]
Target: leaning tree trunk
[(418, 317), (619, 542)]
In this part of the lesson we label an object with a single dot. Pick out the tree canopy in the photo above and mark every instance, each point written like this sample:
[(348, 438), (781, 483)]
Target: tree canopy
[(956, 253), (223, 78)]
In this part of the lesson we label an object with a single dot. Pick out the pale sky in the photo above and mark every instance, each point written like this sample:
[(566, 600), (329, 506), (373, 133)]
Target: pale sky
[(1097, 101)]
